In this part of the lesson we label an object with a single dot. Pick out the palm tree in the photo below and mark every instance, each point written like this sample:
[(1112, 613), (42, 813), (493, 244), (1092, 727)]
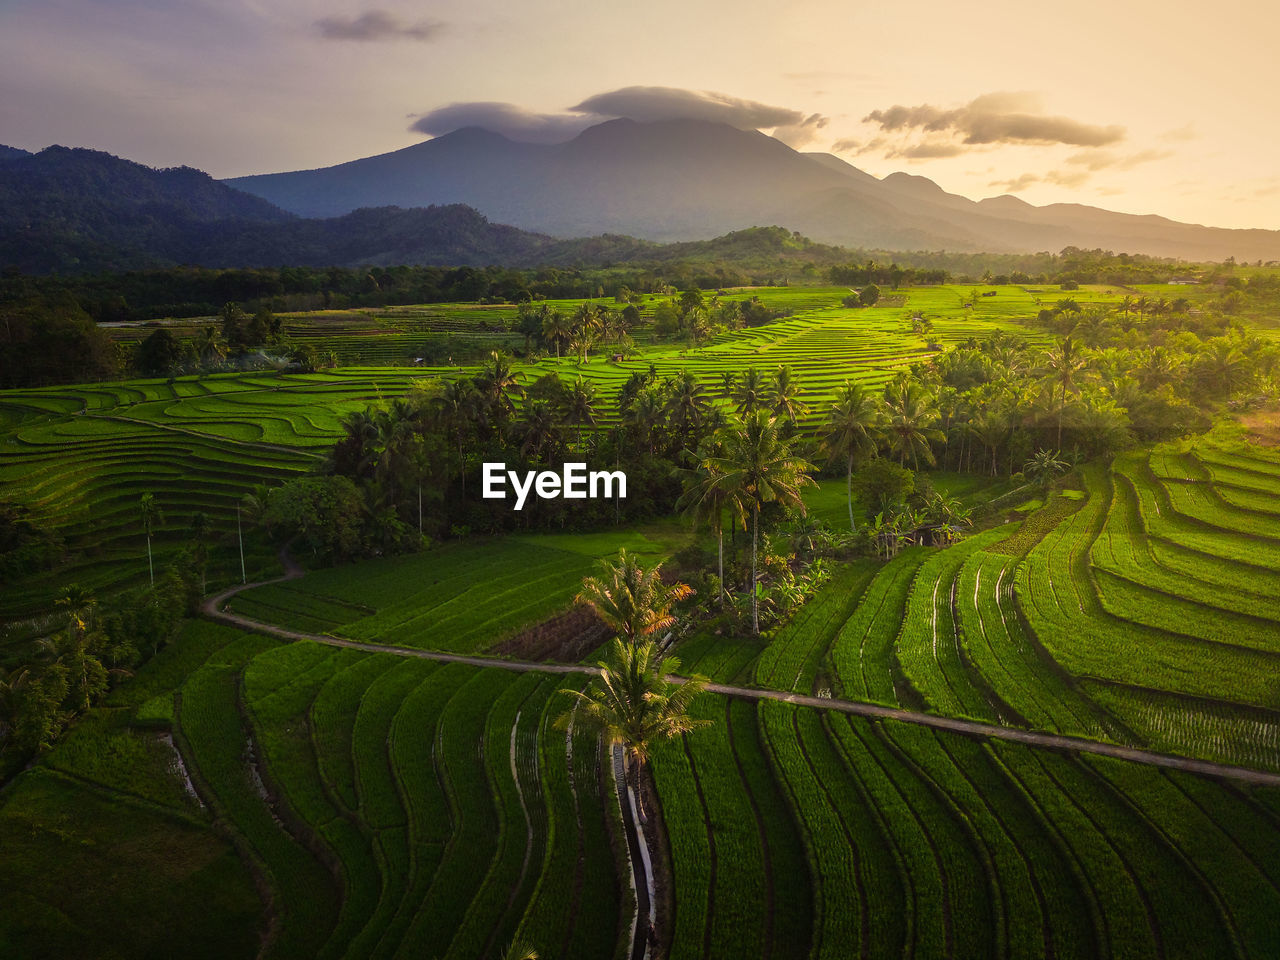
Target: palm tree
[(585, 326), (688, 404), (556, 329), (1062, 364), (758, 465), (1044, 467), (498, 382), (643, 415), (633, 704), (580, 406), (785, 391), (910, 418), (727, 381), (850, 432), (538, 435), (460, 405), (632, 601), (707, 498), (79, 604), (751, 392), (150, 515), (210, 347)]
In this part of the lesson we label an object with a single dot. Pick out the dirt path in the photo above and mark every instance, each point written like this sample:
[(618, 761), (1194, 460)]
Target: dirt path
[(213, 608)]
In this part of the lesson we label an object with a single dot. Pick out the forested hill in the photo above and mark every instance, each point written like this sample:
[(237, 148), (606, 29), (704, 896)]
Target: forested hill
[(68, 210)]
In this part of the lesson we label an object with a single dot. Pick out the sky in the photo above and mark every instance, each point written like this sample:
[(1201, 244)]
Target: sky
[(1134, 106)]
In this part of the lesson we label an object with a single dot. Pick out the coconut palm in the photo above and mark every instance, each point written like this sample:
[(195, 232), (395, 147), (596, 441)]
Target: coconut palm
[(210, 347), (556, 328), (459, 405), (585, 326), (150, 515), (785, 391), (632, 601), (707, 498), (498, 382), (580, 406), (688, 405), (757, 465), (850, 432), (1062, 364), (643, 415), (910, 422), (538, 434), (751, 392), (633, 704)]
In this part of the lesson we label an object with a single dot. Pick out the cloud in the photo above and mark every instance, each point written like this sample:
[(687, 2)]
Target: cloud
[(1016, 184), (995, 118), (1060, 178), (1067, 178), (1180, 134), (1095, 160), (643, 104), (647, 104), (797, 135), (511, 121), (376, 25), (928, 150)]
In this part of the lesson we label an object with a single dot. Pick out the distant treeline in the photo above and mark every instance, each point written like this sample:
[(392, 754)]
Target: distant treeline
[(197, 291)]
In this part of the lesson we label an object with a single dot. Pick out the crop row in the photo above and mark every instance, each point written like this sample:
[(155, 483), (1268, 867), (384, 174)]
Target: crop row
[(919, 843)]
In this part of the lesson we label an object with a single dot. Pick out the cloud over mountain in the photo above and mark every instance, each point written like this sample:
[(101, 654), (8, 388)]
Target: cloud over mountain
[(995, 118), (376, 25), (642, 104)]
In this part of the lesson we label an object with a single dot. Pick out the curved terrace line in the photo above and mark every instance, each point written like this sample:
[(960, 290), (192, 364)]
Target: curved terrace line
[(213, 606)]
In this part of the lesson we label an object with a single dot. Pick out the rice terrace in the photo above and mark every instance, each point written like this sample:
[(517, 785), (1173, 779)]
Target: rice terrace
[(390, 786), (833, 515)]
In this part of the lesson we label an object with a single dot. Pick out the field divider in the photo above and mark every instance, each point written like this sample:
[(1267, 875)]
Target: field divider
[(213, 607)]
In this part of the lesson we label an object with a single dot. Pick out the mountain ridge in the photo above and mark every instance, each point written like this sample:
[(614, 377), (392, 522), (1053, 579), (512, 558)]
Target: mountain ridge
[(676, 180)]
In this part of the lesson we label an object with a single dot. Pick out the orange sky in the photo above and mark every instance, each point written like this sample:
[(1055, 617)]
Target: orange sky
[(1137, 106)]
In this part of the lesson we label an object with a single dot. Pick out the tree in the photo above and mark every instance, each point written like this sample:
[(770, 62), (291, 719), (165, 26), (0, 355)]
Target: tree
[(1044, 467), (688, 406), (632, 601), (707, 498), (883, 487), (498, 382), (1062, 364), (869, 295), (910, 418), (850, 432), (580, 406), (633, 704), (150, 515), (538, 434), (159, 354), (758, 465), (751, 392), (556, 329), (785, 391)]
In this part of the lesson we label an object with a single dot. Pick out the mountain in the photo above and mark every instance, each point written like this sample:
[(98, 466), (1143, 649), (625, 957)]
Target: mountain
[(76, 211), (12, 153), (688, 179)]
